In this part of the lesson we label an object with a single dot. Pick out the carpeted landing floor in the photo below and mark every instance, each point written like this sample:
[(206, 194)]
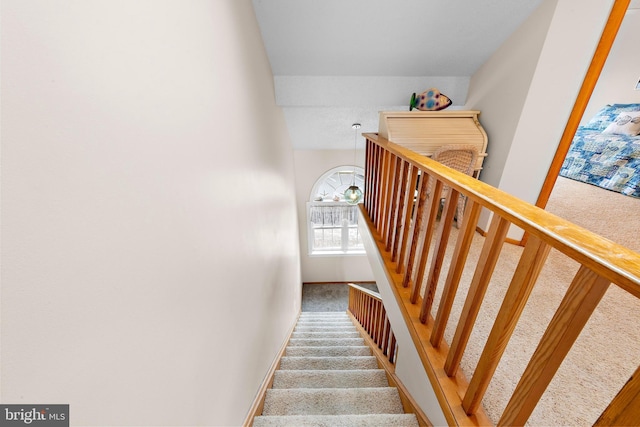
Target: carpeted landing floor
[(329, 296), (328, 377)]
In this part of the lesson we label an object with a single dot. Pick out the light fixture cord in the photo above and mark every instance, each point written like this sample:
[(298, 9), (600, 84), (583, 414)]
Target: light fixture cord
[(355, 127)]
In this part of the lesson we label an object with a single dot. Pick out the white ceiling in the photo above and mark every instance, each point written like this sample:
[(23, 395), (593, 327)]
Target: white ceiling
[(337, 62)]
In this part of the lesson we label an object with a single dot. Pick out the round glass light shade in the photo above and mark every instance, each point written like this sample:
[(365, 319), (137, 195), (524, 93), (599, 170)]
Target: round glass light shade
[(352, 195)]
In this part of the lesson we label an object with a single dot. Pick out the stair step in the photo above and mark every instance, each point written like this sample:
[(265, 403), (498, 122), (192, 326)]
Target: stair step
[(324, 329), (325, 342), (354, 378), (318, 351), (332, 363), (325, 324), (326, 334), (305, 401), (323, 314), (368, 420)]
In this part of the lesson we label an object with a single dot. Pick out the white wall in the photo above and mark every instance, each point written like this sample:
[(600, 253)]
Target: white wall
[(309, 166), (150, 259), (616, 84), (560, 38), (499, 88)]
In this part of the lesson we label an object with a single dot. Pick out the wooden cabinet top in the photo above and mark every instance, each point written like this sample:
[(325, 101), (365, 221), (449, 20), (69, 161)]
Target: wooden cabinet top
[(426, 131)]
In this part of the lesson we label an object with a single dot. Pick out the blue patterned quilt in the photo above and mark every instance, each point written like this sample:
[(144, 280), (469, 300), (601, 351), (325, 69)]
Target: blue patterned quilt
[(609, 161)]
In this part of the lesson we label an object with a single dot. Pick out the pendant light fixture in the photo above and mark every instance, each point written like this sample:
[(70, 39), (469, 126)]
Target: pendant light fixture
[(353, 194)]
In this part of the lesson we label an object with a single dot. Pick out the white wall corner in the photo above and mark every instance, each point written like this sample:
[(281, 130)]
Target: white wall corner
[(565, 57)]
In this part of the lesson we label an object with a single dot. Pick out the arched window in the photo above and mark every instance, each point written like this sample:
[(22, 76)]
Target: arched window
[(332, 223)]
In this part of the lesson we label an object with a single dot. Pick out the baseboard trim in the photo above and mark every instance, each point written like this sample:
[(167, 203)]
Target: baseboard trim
[(408, 402), (258, 403)]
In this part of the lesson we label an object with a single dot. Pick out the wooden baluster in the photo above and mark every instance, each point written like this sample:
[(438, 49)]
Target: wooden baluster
[(392, 220), (408, 213), (388, 166), (387, 195), (385, 334), (481, 278), (391, 178), (388, 341), (446, 222), (368, 175), (383, 191), (431, 216), (375, 191), (351, 300), (624, 409), (369, 314), (422, 199), (385, 322), (380, 325), (531, 262), (380, 187), (458, 261), (582, 297), (355, 304), (365, 312), (374, 317), (400, 225), (392, 349)]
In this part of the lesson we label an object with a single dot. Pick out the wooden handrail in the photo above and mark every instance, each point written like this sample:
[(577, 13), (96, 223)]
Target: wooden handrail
[(404, 225)]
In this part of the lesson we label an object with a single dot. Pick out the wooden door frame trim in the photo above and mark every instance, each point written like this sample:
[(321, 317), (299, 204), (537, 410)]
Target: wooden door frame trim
[(600, 55)]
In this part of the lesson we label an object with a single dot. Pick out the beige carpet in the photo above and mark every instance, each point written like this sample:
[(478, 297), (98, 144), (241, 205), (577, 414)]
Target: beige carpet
[(608, 350), (329, 378)]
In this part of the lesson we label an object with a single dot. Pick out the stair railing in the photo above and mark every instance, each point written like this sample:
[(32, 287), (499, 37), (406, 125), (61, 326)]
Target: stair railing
[(367, 308), (402, 211)]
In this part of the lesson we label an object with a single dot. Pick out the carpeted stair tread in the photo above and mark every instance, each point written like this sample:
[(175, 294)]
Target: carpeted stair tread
[(319, 351), (365, 378), (306, 314), (325, 323), (368, 420), (322, 328), (339, 363), (326, 334), (335, 401), (324, 342), (329, 319), (323, 314)]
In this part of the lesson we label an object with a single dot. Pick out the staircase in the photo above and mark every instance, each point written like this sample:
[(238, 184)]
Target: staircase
[(329, 377)]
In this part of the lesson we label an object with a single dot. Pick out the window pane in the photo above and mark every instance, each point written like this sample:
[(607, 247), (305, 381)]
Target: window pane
[(354, 239), (327, 238)]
